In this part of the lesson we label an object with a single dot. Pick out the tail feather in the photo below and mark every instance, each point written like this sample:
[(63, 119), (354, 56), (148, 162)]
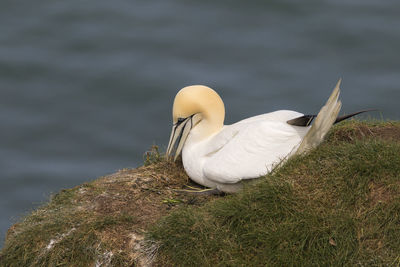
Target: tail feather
[(326, 117)]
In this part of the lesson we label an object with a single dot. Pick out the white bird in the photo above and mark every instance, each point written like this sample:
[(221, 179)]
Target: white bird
[(220, 156)]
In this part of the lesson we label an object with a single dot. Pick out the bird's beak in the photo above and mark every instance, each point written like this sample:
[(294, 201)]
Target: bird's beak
[(179, 133)]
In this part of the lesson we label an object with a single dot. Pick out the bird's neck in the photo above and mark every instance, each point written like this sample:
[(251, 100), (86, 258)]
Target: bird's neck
[(213, 120), (205, 128)]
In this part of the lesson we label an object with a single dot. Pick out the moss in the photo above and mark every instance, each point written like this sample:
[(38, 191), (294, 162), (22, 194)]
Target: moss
[(338, 205)]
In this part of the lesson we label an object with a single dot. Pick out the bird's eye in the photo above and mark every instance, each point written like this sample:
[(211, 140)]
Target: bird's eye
[(180, 120)]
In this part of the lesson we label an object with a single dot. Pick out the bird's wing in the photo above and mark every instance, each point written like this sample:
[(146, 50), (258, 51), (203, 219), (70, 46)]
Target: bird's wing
[(251, 148)]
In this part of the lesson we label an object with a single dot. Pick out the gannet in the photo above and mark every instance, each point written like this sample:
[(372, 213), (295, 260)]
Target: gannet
[(220, 156)]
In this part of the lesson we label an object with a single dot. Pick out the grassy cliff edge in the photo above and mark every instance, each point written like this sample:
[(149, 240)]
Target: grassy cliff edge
[(337, 205)]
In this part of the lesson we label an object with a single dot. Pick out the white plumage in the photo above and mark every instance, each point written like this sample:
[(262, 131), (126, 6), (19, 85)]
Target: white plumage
[(219, 156)]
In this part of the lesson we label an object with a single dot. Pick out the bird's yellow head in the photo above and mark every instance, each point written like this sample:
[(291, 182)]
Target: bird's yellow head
[(198, 99), (195, 106)]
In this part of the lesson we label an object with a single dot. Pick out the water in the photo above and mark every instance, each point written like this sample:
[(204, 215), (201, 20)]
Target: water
[(86, 87)]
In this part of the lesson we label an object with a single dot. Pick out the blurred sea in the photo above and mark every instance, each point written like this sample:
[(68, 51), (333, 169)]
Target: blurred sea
[(86, 87)]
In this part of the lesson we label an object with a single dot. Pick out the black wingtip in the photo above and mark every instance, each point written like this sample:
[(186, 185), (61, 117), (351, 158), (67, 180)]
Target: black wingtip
[(345, 117), (306, 120)]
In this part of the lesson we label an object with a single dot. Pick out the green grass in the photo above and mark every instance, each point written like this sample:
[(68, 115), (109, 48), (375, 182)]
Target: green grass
[(338, 205)]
